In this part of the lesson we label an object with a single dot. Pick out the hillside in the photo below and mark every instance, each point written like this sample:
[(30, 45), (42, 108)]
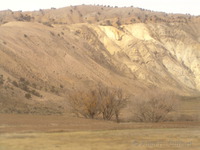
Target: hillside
[(49, 53)]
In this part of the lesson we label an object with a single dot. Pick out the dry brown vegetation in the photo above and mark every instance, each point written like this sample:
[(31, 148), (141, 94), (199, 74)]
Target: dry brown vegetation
[(101, 100), (85, 103), (154, 106), (151, 106)]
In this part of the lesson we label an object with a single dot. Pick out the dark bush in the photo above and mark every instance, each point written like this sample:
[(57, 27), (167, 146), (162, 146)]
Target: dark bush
[(47, 24), (28, 95), (15, 83), (34, 92), (1, 79), (24, 87)]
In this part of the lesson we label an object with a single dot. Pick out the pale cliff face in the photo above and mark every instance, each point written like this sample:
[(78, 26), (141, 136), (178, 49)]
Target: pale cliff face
[(155, 52)]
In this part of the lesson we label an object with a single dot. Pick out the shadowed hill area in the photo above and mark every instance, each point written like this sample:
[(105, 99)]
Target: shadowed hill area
[(46, 54)]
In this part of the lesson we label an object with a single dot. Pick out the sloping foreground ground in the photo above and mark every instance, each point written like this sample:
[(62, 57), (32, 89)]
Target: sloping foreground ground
[(31, 132)]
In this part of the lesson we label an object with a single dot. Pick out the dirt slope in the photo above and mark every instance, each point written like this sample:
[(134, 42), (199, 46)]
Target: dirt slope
[(49, 53)]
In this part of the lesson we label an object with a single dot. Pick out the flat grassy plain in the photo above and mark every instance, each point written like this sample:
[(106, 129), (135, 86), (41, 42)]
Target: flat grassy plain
[(131, 139), (54, 132)]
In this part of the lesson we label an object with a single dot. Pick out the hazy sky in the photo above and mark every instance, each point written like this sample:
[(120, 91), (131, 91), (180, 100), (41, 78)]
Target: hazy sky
[(171, 6)]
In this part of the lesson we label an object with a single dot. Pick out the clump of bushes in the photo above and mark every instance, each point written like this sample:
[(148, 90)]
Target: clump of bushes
[(24, 85), (151, 106), (154, 106), (104, 101)]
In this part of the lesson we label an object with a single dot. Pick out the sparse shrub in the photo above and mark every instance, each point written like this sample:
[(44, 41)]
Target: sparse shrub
[(108, 23), (34, 85), (23, 82), (154, 106), (25, 36), (80, 15), (52, 89), (28, 95), (133, 20), (61, 86), (118, 22), (77, 32), (186, 117), (52, 33), (24, 18), (9, 80), (1, 79), (21, 79), (47, 24), (24, 87), (15, 83), (4, 22), (34, 92)]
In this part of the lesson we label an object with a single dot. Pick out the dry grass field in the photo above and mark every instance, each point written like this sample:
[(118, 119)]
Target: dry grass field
[(130, 139), (56, 132)]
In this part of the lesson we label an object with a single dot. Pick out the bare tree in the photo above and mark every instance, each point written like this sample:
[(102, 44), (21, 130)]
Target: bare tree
[(121, 102), (112, 102), (154, 106), (85, 103), (102, 100)]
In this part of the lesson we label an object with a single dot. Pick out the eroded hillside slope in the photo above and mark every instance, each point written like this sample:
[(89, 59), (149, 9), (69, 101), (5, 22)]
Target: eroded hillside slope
[(48, 60)]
